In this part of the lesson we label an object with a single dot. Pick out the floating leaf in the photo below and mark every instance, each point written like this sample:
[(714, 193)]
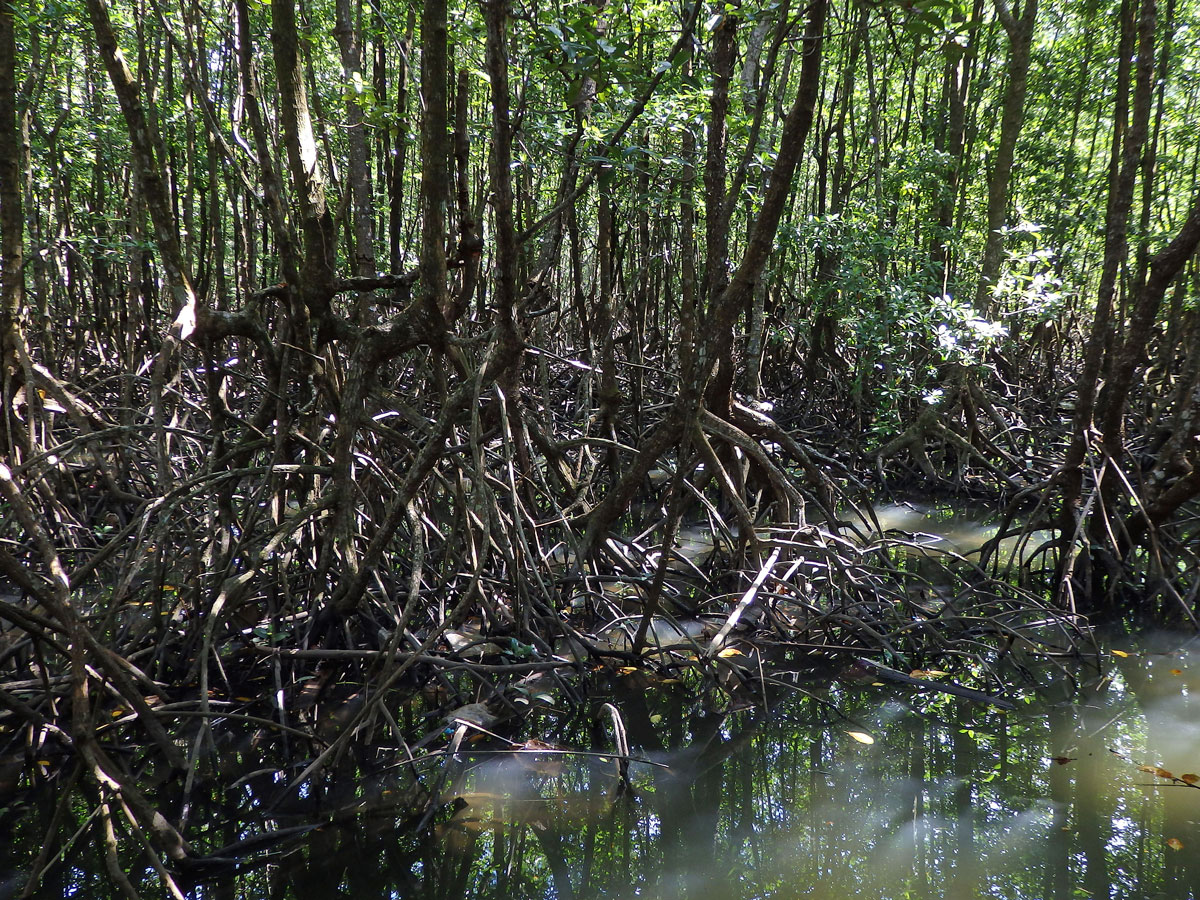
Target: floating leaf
[(1163, 773), (1189, 778), (730, 651), (1120, 653), (627, 670), (1177, 671), (1175, 843), (656, 719), (1063, 760), (861, 736)]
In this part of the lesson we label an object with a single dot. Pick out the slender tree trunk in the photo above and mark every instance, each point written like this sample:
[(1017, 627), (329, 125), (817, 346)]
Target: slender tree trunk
[(718, 213), (507, 261), (689, 399), (268, 175), (149, 164), (1129, 135), (316, 286), (400, 153), (435, 157), (955, 86), (12, 265), (1019, 26), (358, 173)]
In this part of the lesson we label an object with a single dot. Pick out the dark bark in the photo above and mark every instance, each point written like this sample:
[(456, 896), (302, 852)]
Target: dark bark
[(285, 243), (1127, 142), (688, 402), (511, 339), (435, 154), (1018, 25), (146, 146), (718, 213), (316, 287), (358, 172), (12, 230)]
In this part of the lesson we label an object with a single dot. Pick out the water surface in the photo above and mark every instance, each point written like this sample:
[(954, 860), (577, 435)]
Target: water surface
[(951, 799)]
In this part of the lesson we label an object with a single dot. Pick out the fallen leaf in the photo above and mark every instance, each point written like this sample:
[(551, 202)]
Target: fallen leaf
[(1063, 760), (730, 651), (1177, 671), (1189, 778), (1156, 770), (1175, 843), (1120, 653), (861, 736)]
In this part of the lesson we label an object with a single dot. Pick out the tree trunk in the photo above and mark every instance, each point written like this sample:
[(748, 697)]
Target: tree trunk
[(149, 165), (358, 172), (1019, 27), (316, 286), (689, 399), (435, 158), (1128, 140), (12, 226)]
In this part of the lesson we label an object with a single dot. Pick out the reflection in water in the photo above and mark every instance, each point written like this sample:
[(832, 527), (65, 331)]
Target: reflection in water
[(955, 528), (951, 800)]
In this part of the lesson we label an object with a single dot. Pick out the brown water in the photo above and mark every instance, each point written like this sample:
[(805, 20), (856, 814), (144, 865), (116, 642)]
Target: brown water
[(951, 799)]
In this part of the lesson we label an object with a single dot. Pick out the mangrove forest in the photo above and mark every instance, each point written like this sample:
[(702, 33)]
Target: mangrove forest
[(408, 405)]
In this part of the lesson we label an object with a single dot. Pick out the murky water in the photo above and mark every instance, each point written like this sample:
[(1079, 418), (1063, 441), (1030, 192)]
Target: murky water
[(950, 799)]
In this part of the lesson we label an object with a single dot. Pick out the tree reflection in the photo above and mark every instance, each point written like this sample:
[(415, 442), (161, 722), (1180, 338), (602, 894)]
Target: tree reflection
[(952, 800)]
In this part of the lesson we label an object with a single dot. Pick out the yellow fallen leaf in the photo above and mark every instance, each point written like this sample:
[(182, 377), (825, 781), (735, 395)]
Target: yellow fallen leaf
[(861, 736), (1189, 778), (44, 762), (1163, 773), (1120, 653), (730, 651), (1177, 671), (1175, 843), (627, 670)]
